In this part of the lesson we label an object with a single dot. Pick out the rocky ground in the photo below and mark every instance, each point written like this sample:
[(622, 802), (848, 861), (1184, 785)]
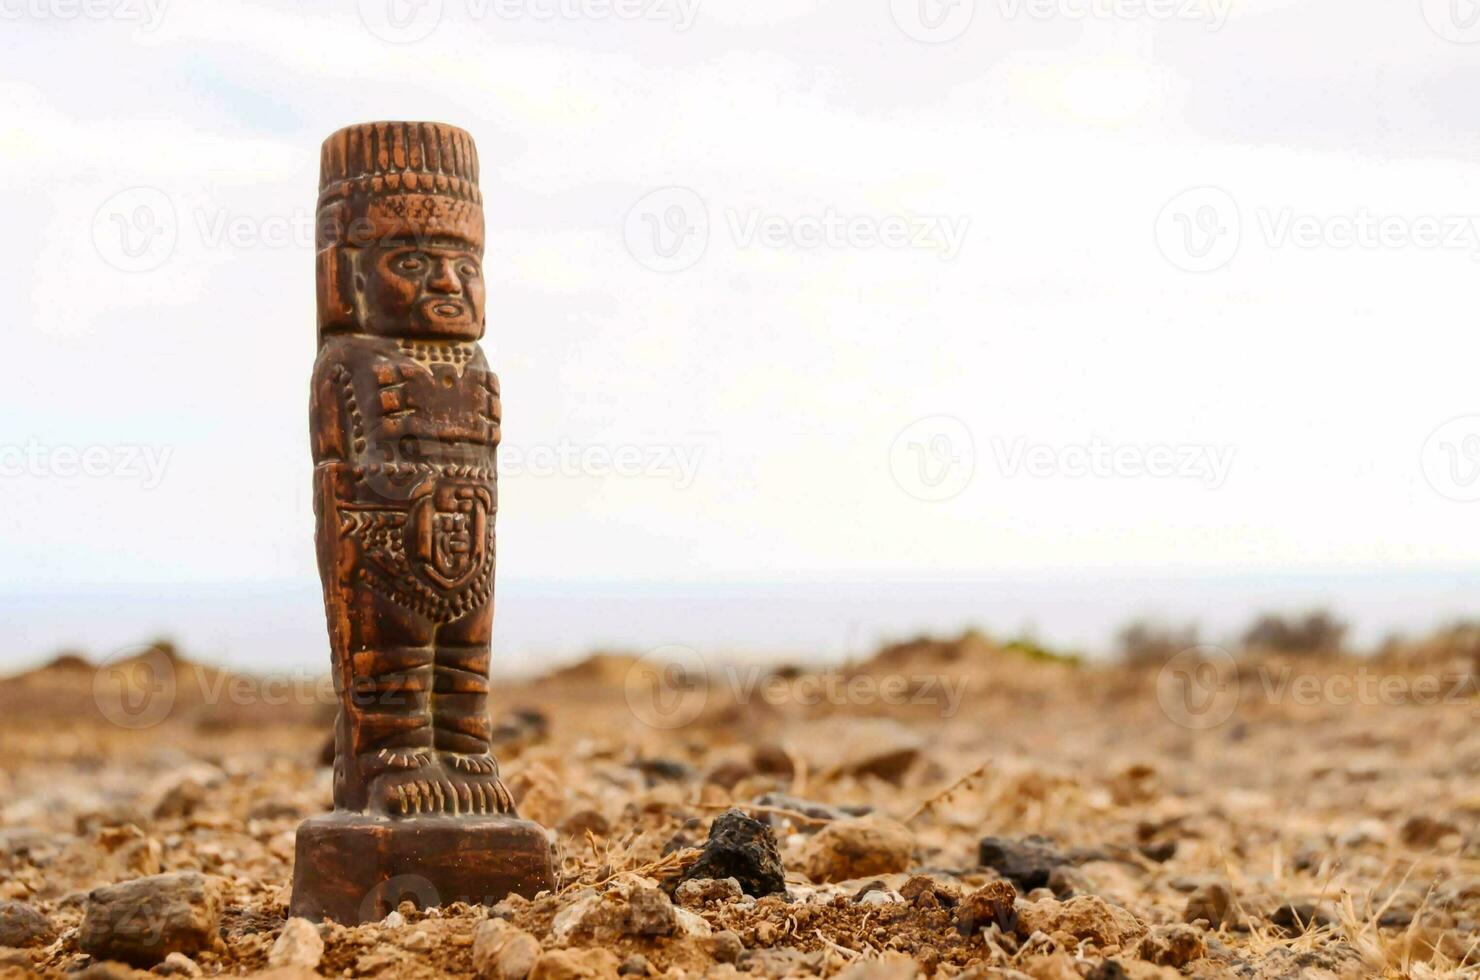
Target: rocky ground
[(948, 809)]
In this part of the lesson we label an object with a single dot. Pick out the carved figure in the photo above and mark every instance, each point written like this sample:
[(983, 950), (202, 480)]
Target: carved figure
[(404, 419)]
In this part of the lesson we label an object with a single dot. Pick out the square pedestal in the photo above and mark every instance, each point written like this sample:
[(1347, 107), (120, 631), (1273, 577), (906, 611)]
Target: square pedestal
[(353, 868)]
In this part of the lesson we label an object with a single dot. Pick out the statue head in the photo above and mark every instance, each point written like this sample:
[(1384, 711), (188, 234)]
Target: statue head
[(400, 232)]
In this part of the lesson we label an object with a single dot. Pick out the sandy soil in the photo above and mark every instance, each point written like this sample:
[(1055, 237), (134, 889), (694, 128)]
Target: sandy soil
[(1274, 819)]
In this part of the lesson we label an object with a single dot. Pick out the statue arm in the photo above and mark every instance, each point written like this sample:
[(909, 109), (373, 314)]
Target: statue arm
[(333, 419)]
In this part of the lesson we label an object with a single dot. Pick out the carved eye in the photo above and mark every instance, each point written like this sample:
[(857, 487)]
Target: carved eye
[(410, 263), (469, 270)]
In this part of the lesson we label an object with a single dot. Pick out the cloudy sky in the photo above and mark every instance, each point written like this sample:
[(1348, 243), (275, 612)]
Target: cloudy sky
[(779, 289)]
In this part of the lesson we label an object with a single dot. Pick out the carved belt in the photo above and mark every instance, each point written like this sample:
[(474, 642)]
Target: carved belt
[(434, 555)]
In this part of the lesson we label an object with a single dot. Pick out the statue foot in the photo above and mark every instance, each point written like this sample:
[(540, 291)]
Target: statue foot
[(481, 764), (434, 791)]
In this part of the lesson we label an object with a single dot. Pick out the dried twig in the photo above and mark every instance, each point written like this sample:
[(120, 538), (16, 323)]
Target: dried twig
[(935, 798), (761, 808)]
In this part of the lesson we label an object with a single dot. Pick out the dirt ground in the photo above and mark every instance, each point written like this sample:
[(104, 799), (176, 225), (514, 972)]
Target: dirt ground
[(1270, 818)]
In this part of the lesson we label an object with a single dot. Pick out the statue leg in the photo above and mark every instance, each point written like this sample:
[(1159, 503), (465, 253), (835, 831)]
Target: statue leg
[(460, 712), (386, 734)]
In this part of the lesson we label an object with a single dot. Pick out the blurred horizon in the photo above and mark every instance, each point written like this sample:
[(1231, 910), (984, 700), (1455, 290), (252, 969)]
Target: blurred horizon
[(539, 625)]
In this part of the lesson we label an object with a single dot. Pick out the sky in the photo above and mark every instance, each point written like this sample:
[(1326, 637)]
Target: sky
[(779, 290)]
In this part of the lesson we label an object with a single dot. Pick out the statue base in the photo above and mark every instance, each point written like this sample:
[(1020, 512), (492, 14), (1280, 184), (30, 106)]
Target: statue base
[(353, 867)]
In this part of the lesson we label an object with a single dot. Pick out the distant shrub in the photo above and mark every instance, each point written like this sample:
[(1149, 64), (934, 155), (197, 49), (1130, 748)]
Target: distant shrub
[(1031, 649), (1148, 644), (1456, 643), (1315, 633)]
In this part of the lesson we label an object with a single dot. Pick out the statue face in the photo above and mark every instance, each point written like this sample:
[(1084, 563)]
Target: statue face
[(423, 289)]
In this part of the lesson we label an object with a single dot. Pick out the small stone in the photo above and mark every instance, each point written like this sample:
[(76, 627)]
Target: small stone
[(729, 773), (656, 771), (880, 896), (417, 941), (773, 760), (503, 952), (819, 813), (540, 794), (393, 920), (862, 746), (726, 947), (1367, 831), (299, 944), (583, 916), (693, 924), (1212, 901), (178, 965), (635, 965), (280, 808), (857, 847), (1160, 851), (575, 964), (142, 921), (1066, 881), (21, 925), (650, 913), (180, 791), (920, 889), (520, 728), (1026, 863), (740, 848), (581, 822), (891, 966), (783, 962), (1458, 892), (1424, 831), (640, 911), (509, 907), (380, 960), (706, 891), (1085, 917), (1173, 945), (1297, 918), (993, 902)]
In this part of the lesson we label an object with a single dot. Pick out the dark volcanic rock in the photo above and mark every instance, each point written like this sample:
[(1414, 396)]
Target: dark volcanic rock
[(740, 848), (655, 771), (1026, 863)]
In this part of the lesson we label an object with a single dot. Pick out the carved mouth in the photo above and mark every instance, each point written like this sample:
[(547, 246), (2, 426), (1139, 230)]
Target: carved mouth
[(447, 309)]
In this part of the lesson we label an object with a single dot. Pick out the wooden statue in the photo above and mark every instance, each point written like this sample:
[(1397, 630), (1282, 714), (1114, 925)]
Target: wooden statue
[(404, 419)]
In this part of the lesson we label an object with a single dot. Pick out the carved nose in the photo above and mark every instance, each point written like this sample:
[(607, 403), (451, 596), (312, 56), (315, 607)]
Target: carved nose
[(445, 279)]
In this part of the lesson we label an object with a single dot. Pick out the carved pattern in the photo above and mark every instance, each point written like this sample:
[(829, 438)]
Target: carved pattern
[(412, 477), (388, 570), (458, 355)]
